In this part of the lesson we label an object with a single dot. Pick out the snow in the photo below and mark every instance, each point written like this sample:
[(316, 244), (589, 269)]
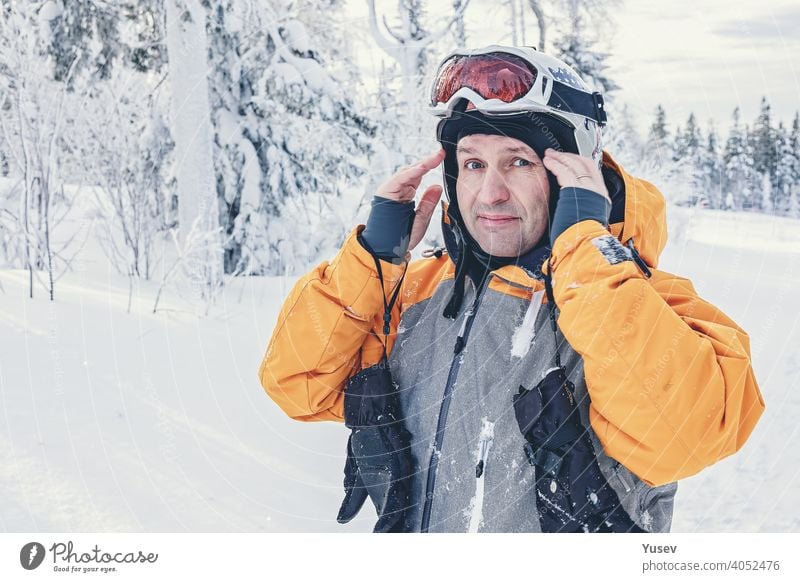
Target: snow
[(230, 134), (485, 439), (50, 10), (116, 421), (523, 335), (295, 35), (287, 72)]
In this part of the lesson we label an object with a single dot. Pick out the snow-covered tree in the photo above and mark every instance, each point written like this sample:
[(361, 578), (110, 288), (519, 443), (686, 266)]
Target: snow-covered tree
[(794, 146), (33, 109), (710, 169), (755, 182), (692, 138), (658, 138), (188, 51), (738, 164), (97, 36), (578, 46), (406, 40), (686, 156), (289, 139), (126, 151), (765, 156), (786, 172), (623, 140), (537, 7), (459, 27)]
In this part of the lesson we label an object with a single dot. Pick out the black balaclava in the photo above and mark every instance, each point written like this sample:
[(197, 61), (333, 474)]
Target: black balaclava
[(537, 130)]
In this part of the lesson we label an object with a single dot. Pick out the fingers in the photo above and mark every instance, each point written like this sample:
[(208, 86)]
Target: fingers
[(416, 171), (573, 170), (432, 161), (403, 185), (429, 200), (424, 213)]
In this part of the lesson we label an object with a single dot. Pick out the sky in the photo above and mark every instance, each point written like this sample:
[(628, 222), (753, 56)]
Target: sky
[(709, 56), (701, 56)]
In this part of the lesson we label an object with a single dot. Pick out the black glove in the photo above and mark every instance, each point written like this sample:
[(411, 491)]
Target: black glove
[(379, 461), (571, 492)]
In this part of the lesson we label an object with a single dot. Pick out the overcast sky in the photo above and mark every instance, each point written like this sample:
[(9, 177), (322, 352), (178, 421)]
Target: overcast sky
[(708, 56)]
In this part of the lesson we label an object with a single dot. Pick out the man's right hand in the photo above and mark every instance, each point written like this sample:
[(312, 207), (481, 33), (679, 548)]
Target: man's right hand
[(402, 187)]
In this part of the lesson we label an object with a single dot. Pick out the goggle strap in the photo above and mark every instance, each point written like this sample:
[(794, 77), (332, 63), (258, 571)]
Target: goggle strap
[(571, 100)]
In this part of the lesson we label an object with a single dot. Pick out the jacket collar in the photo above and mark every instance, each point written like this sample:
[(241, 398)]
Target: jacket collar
[(525, 267)]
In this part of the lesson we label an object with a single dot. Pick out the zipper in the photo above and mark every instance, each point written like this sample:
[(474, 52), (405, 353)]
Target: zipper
[(444, 408)]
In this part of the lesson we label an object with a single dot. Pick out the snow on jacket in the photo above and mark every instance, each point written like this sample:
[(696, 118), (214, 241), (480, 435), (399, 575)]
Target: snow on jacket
[(669, 376)]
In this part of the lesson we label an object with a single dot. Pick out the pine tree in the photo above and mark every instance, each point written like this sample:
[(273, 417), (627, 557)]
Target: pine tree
[(765, 154), (693, 138), (786, 172), (738, 167), (686, 158), (794, 136), (794, 146), (623, 139), (658, 138), (578, 48), (679, 145), (755, 183), (710, 169)]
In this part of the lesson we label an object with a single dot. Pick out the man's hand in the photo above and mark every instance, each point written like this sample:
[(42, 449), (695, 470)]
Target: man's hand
[(402, 187), (572, 170)]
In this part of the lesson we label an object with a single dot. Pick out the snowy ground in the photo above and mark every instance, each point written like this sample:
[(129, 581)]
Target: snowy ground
[(116, 421)]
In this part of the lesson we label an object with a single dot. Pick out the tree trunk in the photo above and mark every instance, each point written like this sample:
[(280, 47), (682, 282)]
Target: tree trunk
[(540, 20), (191, 117)]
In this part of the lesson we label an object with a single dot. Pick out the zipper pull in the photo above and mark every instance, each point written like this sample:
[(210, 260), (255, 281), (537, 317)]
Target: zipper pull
[(638, 260), (484, 444), (462, 332)]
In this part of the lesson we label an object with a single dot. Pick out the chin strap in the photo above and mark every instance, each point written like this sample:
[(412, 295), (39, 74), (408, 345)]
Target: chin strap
[(457, 298)]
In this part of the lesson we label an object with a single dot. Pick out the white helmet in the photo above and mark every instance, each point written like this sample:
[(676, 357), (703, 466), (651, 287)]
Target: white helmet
[(502, 81)]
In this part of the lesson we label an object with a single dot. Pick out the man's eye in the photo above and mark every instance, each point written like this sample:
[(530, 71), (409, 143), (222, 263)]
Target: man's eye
[(520, 162), (472, 165)]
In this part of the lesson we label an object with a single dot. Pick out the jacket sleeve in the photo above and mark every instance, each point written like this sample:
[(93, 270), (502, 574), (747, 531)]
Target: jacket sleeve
[(669, 375), (322, 327)]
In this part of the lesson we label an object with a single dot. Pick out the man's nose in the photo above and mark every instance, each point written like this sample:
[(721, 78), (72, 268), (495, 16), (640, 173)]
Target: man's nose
[(494, 189)]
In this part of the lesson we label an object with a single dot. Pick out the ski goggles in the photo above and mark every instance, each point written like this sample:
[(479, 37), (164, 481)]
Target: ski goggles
[(503, 80)]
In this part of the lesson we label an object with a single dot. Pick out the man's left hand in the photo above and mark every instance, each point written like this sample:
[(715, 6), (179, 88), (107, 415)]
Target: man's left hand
[(574, 171)]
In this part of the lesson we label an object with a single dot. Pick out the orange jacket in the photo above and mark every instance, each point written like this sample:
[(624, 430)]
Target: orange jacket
[(669, 375)]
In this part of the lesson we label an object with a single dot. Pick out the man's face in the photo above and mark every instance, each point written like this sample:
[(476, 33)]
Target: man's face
[(502, 192)]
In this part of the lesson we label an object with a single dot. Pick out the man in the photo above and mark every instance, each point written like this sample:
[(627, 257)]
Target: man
[(542, 374)]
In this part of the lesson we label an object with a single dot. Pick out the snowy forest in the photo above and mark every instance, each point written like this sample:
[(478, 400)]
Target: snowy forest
[(199, 140)]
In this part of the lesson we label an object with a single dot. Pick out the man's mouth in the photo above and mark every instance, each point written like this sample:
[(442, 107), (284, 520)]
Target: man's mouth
[(497, 219)]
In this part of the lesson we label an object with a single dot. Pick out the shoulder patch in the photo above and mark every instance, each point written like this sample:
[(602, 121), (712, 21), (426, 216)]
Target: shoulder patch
[(613, 251)]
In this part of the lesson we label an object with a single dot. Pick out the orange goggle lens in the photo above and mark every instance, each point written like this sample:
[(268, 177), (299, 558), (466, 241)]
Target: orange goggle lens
[(492, 76)]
